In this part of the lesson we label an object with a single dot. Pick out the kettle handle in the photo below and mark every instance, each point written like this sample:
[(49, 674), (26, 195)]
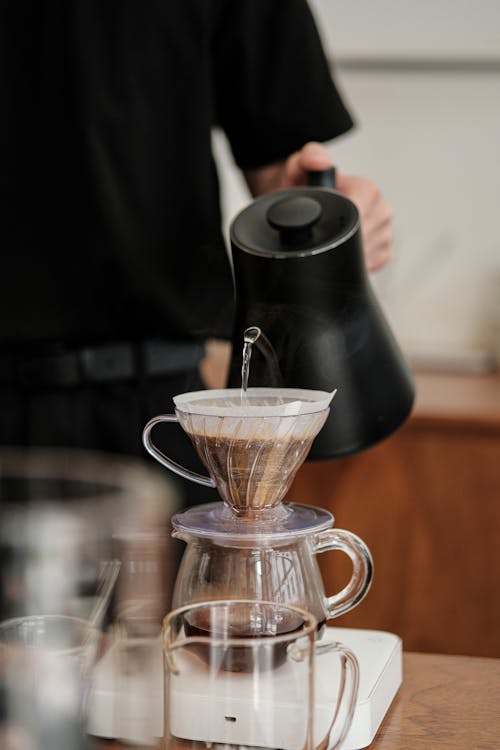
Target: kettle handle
[(356, 549), (165, 460), (322, 177)]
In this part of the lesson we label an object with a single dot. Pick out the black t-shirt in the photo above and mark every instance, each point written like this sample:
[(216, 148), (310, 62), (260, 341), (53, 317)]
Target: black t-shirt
[(110, 208)]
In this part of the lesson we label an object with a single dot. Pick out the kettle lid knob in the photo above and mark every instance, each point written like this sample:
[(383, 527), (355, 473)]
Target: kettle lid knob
[(294, 216)]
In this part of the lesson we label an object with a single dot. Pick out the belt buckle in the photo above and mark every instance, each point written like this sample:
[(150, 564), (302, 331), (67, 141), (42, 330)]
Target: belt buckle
[(109, 363)]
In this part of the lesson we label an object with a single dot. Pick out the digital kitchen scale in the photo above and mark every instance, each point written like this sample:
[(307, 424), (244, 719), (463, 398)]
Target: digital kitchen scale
[(126, 700)]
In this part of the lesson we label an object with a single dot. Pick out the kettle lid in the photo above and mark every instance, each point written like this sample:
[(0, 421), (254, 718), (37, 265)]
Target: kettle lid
[(297, 222)]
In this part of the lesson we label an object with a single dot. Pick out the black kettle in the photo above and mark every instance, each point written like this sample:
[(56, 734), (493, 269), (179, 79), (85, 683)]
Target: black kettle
[(300, 277)]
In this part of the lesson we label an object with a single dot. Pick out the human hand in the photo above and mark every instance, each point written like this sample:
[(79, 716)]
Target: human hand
[(375, 216), (374, 211)]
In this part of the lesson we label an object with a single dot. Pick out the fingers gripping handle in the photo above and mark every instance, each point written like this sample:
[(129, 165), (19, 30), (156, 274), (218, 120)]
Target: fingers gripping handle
[(356, 549), (165, 460)]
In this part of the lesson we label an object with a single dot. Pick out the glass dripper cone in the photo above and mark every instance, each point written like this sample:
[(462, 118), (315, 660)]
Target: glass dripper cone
[(253, 446)]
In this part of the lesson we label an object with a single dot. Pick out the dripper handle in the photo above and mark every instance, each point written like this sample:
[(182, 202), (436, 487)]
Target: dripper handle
[(165, 460), (362, 574)]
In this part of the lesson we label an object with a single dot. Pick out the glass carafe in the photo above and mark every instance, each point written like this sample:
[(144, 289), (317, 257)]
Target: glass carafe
[(272, 559)]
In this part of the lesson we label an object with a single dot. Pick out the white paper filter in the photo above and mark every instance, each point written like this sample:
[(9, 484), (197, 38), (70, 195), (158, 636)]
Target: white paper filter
[(258, 402)]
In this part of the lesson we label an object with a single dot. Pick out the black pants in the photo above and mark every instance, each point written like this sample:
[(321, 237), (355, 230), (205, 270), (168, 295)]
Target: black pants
[(104, 417)]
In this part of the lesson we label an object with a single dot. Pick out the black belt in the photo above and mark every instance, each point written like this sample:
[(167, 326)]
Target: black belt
[(104, 363)]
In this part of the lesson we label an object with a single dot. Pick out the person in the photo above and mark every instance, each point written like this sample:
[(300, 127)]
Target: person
[(115, 270)]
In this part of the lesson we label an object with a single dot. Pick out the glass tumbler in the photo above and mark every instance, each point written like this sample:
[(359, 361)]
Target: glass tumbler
[(45, 669), (242, 673)]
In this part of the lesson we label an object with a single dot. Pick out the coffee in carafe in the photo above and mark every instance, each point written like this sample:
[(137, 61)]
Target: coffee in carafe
[(253, 620)]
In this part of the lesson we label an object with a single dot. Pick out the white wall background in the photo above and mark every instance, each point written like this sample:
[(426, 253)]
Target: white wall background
[(423, 81), (399, 29)]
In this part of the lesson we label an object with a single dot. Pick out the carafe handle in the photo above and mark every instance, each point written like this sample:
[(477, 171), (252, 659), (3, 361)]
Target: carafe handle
[(165, 460), (356, 549)]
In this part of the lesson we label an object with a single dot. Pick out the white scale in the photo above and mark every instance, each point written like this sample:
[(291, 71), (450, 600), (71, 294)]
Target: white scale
[(122, 701)]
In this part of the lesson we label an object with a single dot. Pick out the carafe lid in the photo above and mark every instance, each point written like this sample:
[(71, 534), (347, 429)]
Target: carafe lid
[(216, 521)]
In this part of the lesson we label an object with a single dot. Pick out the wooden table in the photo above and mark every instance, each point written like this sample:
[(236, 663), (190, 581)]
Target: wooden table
[(445, 702)]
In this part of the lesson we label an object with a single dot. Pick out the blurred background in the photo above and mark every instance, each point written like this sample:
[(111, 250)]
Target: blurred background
[(423, 83)]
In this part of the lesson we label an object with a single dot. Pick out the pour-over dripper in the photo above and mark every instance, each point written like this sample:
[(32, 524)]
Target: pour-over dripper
[(252, 447)]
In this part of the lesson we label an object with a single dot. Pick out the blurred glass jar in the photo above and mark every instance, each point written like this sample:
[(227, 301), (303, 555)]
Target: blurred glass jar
[(71, 521), (63, 514)]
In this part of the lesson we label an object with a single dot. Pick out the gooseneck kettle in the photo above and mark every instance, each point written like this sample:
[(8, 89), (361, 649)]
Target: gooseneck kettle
[(300, 276)]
